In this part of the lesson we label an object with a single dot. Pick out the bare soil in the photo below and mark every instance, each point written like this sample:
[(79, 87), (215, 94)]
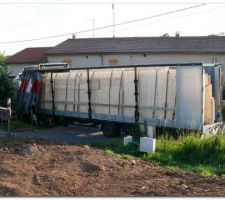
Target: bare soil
[(40, 168)]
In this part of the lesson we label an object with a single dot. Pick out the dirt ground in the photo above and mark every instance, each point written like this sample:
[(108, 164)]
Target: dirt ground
[(37, 168)]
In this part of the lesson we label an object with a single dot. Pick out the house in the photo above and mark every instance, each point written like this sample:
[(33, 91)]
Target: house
[(26, 57), (92, 52)]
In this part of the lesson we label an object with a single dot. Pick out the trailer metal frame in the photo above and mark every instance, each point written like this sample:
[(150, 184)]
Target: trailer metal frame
[(65, 68), (55, 68)]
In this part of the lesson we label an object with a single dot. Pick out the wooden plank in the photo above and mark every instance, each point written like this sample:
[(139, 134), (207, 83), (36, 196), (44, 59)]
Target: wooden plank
[(160, 92), (166, 95), (147, 78), (208, 108), (171, 93), (100, 94), (128, 90), (115, 90), (83, 95), (71, 90), (60, 89)]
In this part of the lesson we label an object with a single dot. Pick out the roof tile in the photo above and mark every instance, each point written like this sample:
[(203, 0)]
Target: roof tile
[(30, 55), (141, 44)]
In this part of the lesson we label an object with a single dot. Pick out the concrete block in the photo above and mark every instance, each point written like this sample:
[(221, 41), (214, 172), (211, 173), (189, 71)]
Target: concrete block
[(147, 144), (142, 128), (151, 131), (127, 139)]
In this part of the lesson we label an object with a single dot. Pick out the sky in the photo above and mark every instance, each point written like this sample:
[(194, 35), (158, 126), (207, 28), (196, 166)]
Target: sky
[(25, 20)]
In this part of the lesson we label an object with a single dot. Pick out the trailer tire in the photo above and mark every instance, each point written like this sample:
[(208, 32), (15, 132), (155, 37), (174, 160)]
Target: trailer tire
[(110, 130), (43, 121), (25, 118), (126, 129)]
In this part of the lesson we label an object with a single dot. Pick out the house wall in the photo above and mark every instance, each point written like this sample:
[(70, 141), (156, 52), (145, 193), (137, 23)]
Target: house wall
[(15, 69), (125, 59), (131, 59)]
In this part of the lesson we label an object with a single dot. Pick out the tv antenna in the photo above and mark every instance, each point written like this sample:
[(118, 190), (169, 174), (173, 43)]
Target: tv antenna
[(113, 13), (93, 27)]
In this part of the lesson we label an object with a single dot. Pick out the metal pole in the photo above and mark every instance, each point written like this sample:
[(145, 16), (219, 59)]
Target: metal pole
[(8, 125), (113, 9), (167, 86), (93, 26), (53, 100), (9, 106), (89, 94), (136, 114), (156, 82)]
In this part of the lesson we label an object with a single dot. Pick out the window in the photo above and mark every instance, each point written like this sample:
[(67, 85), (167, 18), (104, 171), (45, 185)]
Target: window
[(113, 61), (68, 61)]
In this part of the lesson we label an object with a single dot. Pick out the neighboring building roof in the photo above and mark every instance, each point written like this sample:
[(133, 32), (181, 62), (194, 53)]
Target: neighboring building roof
[(140, 44), (30, 55)]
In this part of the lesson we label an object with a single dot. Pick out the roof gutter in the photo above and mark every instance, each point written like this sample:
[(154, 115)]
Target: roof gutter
[(133, 52)]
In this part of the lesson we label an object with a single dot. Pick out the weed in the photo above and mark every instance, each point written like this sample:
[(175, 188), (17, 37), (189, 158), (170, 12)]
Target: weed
[(190, 152), (137, 132)]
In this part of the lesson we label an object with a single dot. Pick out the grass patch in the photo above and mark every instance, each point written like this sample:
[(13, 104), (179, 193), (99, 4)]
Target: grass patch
[(122, 156), (191, 153), (115, 147), (114, 144), (19, 125)]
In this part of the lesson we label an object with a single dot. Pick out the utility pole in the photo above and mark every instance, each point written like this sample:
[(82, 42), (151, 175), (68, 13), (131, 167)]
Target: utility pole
[(113, 12), (93, 26)]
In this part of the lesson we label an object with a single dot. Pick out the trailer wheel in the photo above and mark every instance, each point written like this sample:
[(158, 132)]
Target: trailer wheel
[(43, 121), (126, 129), (25, 118), (110, 130)]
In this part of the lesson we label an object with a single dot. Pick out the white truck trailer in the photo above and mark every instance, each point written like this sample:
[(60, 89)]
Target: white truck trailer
[(181, 96)]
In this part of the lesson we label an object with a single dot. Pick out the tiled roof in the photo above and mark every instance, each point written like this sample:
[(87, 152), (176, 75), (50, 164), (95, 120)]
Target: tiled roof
[(30, 55), (140, 44)]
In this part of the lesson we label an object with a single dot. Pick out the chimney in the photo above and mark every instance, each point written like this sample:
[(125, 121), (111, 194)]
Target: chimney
[(177, 34)]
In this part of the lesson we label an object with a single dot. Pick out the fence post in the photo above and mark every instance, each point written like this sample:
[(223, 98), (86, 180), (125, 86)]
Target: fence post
[(136, 93), (9, 106), (89, 94)]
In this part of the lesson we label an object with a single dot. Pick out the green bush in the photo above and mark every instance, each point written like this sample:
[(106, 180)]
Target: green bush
[(7, 87), (137, 132), (223, 113), (2, 57), (223, 91)]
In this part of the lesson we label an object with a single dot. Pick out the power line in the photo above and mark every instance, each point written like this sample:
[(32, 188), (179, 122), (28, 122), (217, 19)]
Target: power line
[(163, 20), (110, 2), (113, 10), (105, 27), (35, 39), (145, 18)]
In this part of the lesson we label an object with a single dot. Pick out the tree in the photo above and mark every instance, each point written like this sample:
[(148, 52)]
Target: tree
[(2, 57), (7, 87)]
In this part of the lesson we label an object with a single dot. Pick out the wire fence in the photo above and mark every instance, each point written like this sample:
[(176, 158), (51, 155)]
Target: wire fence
[(5, 125)]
